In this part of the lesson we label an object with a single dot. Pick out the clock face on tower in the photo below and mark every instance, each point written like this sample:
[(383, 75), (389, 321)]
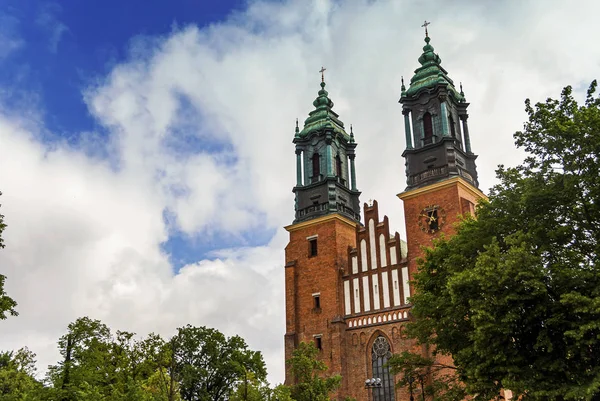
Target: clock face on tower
[(432, 218)]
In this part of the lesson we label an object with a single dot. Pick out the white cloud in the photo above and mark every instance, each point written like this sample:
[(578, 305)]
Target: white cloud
[(84, 232)]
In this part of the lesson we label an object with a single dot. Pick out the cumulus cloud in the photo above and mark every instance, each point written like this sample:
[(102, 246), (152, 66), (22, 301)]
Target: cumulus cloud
[(199, 125)]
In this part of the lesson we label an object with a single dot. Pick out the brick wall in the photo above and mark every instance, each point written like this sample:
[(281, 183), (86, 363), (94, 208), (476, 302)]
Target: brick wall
[(346, 345)]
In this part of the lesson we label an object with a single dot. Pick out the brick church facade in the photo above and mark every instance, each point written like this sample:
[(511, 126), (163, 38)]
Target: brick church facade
[(348, 281)]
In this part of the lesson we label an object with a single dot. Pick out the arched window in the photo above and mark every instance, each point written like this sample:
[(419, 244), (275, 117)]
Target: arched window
[(380, 355), (316, 167), (427, 129)]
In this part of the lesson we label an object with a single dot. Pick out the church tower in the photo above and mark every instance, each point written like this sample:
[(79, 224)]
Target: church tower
[(327, 214), (440, 165), (325, 175), (347, 283)]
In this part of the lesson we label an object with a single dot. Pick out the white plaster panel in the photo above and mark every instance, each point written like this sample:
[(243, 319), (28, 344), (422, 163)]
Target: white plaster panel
[(347, 295), (385, 289), (405, 283), (372, 244), (354, 264), (382, 253), (396, 287), (366, 293), (363, 255), (376, 291), (356, 291), (393, 259)]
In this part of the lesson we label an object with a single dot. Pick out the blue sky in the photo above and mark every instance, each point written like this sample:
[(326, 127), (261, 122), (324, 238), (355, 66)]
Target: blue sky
[(71, 43), (63, 47), (146, 156)]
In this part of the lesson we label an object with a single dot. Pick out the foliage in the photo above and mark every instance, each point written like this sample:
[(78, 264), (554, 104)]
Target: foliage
[(17, 376), (99, 365), (196, 364), (251, 389), (514, 297), (422, 375), (161, 384), (7, 304), (308, 371), (209, 366)]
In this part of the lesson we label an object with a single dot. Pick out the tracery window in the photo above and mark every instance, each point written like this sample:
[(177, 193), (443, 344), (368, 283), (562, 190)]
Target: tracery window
[(380, 355), (427, 129)]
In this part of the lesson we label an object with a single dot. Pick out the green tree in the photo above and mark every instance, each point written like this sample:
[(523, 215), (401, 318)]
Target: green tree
[(280, 393), (99, 365), (7, 304), (251, 389), (209, 366), (17, 376), (308, 372), (425, 376), (161, 384), (83, 370), (514, 296)]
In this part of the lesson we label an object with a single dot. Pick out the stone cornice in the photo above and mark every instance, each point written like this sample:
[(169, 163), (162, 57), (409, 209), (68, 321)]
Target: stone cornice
[(320, 220), (458, 181)]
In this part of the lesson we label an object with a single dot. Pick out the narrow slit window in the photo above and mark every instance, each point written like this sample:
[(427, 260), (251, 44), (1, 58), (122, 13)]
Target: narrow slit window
[(312, 247), (317, 301), (318, 343)]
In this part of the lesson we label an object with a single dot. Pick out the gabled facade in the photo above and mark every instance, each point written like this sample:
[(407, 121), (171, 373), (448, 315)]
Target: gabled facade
[(348, 282)]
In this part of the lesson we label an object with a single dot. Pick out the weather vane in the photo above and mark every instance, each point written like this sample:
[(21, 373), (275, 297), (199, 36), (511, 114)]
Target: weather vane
[(425, 26), (323, 69)]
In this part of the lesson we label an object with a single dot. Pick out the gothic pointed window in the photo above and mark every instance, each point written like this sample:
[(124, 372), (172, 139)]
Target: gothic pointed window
[(380, 354), (427, 129), (316, 167)]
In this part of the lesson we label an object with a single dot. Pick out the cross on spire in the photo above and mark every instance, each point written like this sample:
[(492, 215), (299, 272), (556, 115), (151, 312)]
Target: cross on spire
[(322, 70), (425, 24)]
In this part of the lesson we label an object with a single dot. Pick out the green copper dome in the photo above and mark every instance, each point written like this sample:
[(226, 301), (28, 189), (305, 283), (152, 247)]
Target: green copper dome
[(430, 74), (323, 117)]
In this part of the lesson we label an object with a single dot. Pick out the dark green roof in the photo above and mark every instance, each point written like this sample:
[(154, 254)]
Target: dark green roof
[(430, 74), (323, 117)]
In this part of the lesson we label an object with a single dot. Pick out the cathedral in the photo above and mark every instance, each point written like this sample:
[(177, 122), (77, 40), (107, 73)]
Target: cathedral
[(347, 279)]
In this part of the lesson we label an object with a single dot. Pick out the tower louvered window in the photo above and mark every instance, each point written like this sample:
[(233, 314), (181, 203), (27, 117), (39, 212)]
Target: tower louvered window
[(427, 129), (380, 355), (316, 167), (452, 126)]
